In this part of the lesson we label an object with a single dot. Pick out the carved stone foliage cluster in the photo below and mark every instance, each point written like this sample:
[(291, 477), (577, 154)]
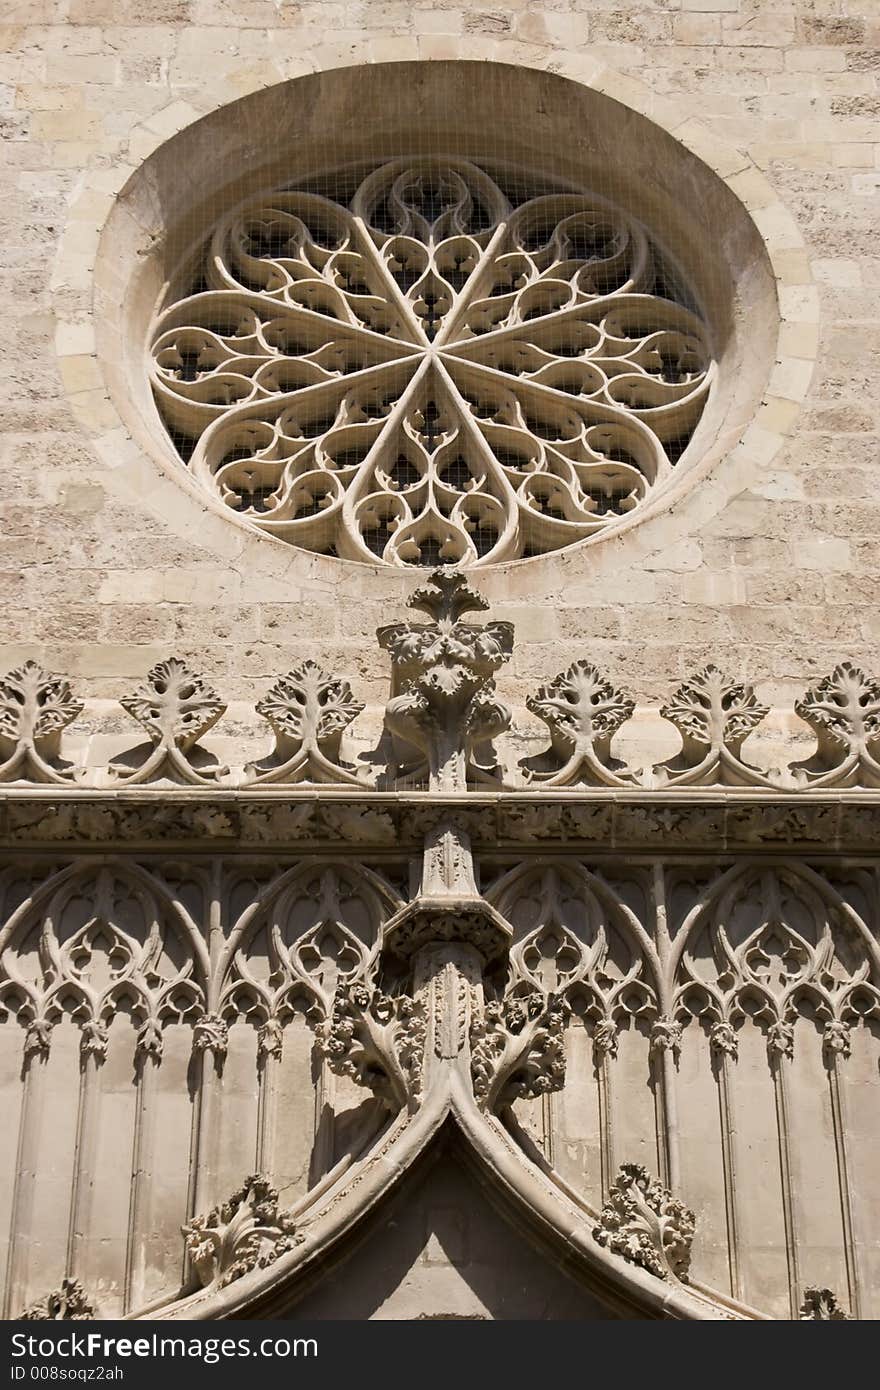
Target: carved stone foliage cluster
[(68, 1303), (443, 701), (441, 719), (378, 1040), (646, 1225), (439, 362), (821, 1305), (248, 1231), (517, 1048)]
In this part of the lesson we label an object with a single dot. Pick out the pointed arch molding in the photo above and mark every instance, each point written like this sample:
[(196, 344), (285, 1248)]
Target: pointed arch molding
[(120, 212)]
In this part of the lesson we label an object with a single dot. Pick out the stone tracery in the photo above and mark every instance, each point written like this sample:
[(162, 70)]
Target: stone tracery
[(431, 364)]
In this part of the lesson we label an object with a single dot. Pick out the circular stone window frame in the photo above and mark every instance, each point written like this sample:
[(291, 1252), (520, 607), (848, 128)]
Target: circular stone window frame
[(90, 283)]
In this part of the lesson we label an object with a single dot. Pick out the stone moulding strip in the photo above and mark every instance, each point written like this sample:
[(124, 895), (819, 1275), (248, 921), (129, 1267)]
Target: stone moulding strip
[(73, 275), (713, 821)]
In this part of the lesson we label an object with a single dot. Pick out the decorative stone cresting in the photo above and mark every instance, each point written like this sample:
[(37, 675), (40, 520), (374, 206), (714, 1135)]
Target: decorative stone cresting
[(443, 714), (176, 707), (309, 711), (433, 363), (248, 1231), (34, 708), (582, 711), (68, 1303), (646, 1225)]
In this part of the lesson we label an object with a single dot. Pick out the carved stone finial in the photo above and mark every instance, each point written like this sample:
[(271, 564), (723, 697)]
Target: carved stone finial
[(447, 597), (34, 709), (582, 711), (308, 711), (646, 1225), (376, 1039), (821, 1305), (443, 695), (714, 716), (517, 1048), (69, 1303), (843, 711), (176, 707), (246, 1232)]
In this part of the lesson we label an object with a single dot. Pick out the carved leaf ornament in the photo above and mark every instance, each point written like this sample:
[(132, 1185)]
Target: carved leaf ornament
[(430, 366)]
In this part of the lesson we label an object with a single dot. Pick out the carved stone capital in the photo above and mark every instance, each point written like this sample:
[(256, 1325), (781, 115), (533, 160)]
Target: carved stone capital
[(780, 1039), (94, 1040), (150, 1040), (605, 1037), (837, 1038), (723, 1039), (666, 1036), (38, 1038), (211, 1034), (644, 1224), (270, 1039)]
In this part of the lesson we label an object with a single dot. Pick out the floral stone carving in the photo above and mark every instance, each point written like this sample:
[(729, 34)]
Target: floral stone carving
[(176, 708), (443, 701), (582, 711), (34, 709), (378, 1040), (517, 1048), (246, 1232), (821, 1305), (437, 366), (309, 711), (714, 716), (843, 711), (646, 1225), (69, 1303)]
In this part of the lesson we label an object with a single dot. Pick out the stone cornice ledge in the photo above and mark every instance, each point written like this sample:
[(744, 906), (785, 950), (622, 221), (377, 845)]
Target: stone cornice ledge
[(216, 819)]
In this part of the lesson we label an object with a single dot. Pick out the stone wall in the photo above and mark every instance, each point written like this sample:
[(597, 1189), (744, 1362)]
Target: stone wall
[(104, 578)]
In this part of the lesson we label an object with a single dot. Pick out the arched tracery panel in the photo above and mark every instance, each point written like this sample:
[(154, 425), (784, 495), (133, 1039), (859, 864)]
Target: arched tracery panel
[(776, 987), (105, 974), (576, 933), (286, 1113), (156, 1048)]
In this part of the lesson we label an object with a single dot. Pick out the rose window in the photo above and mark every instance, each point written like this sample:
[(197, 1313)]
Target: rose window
[(430, 364)]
